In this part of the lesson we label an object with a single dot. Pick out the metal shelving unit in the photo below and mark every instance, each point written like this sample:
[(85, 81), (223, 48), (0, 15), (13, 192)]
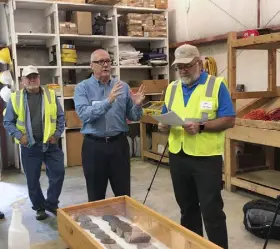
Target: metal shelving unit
[(48, 37)]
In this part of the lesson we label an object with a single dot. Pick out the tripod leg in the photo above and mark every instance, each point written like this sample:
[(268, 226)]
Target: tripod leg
[(155, 172), (272, 223)]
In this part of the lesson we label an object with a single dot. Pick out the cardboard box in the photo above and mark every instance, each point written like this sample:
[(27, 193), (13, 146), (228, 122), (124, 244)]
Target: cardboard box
[(74, 142), (72, 119), (155, 86), (83, 21), (68, 90), (159, 141), (68, 28), (161, 4), (155, 34)]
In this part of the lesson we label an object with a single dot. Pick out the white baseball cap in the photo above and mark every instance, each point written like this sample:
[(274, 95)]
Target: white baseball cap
[(185, 54), (29, 70)]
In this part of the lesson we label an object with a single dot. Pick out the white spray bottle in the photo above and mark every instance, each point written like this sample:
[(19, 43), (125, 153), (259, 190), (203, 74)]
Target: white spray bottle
[(18, 237)]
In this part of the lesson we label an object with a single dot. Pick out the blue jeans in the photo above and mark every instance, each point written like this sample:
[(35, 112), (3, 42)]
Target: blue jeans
[(32, 159)]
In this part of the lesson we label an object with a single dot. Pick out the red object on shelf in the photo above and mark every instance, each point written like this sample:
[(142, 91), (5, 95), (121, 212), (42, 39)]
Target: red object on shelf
[(250, 32)]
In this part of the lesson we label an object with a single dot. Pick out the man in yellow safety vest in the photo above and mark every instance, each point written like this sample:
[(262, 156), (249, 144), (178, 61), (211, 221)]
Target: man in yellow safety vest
[(35, 119), (196, 148)]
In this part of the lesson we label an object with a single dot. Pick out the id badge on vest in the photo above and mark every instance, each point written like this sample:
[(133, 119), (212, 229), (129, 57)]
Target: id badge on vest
[(206, 105)]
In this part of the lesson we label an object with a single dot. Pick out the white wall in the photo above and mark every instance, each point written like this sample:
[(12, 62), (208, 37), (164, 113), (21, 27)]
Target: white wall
[(195, 19)]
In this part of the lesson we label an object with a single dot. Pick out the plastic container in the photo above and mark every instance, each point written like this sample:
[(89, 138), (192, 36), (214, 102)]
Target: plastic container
[(18, 237)]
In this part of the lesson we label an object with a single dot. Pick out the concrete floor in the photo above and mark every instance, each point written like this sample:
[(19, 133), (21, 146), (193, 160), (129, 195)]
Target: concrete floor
[(13, 188)]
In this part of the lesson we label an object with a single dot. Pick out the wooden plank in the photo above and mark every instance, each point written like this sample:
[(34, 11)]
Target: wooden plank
[(267, 39), (148, 120), (269, 157), (216, 38), (73, 234), (260, 94), (268, 178), (254, 187), (254, 135), (143, 139), (155, 156), (232, 65), (268, 46), (230, 163), (258, 103), (164, 229), (80, 207), (272, 68), (271, 125)]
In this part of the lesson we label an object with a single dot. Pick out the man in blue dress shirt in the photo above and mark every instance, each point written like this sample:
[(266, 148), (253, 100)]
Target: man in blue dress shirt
[(103, 103)]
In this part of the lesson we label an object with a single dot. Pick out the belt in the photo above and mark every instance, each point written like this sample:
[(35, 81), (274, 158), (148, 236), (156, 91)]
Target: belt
[(104, 139)]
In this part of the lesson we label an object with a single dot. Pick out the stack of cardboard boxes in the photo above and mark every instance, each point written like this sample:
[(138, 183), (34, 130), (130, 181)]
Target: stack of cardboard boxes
[(159, 4), (157, 27), (148, 25)]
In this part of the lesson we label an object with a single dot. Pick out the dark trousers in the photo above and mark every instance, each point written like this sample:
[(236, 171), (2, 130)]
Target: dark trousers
[(32, 159), (197, 183), (103, 161)]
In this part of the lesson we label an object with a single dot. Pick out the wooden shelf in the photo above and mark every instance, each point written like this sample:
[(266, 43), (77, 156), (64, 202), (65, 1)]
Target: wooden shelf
[(265, 182), (67, 6), (86, 37), (140, 39), (50, 39), (217, 38), (264, 42), (266, 133), (154, 156), (32, 4)]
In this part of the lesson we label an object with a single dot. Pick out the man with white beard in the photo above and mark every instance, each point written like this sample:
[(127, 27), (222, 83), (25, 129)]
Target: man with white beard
[(196, 148)]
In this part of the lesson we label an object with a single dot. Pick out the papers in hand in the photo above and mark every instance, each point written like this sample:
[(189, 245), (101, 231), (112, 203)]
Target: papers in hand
[(170, 118)]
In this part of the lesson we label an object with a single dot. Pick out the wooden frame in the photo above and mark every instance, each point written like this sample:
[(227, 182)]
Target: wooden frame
[(168, 232), (265, 133), (145, 152)]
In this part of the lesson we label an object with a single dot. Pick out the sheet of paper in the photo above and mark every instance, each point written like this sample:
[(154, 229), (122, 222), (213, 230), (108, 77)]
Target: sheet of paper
[(170, 118)]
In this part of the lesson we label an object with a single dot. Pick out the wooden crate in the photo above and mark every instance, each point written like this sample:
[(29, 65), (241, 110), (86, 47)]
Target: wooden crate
[(159, 227)]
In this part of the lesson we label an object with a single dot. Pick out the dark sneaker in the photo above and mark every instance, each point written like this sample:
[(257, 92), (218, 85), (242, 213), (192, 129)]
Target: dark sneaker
[(2, 216), (41, 214), (52, 210)]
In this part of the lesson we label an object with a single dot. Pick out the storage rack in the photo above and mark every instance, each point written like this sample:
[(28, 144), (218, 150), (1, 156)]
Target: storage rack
[(20, 11), (265, 182)]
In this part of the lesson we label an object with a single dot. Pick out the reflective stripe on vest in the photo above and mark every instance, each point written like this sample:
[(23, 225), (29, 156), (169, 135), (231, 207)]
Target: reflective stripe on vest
[(209, 93)]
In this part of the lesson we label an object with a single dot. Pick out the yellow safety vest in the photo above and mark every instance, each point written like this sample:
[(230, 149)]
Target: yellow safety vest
[(50, 112), (202, 106)]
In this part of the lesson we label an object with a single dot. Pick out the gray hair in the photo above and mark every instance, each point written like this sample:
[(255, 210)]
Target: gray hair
[(93, 55)]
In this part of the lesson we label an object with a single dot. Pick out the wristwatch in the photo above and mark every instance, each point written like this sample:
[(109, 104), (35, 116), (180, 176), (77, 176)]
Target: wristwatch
[(201, 126)]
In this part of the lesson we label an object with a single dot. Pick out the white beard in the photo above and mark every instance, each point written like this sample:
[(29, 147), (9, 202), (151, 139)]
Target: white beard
[(187, 80)]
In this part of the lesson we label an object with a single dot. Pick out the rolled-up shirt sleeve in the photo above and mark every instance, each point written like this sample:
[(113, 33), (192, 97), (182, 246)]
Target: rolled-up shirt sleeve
[(10, 120), (89, 112)]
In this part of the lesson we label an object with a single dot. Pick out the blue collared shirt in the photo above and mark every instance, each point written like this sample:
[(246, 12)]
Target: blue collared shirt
[(225, 108), (10, 120), (99, 117)]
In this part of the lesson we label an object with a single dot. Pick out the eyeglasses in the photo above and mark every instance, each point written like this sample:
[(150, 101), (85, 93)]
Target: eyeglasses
[(185, 66), (102, 62), (32, 76)]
